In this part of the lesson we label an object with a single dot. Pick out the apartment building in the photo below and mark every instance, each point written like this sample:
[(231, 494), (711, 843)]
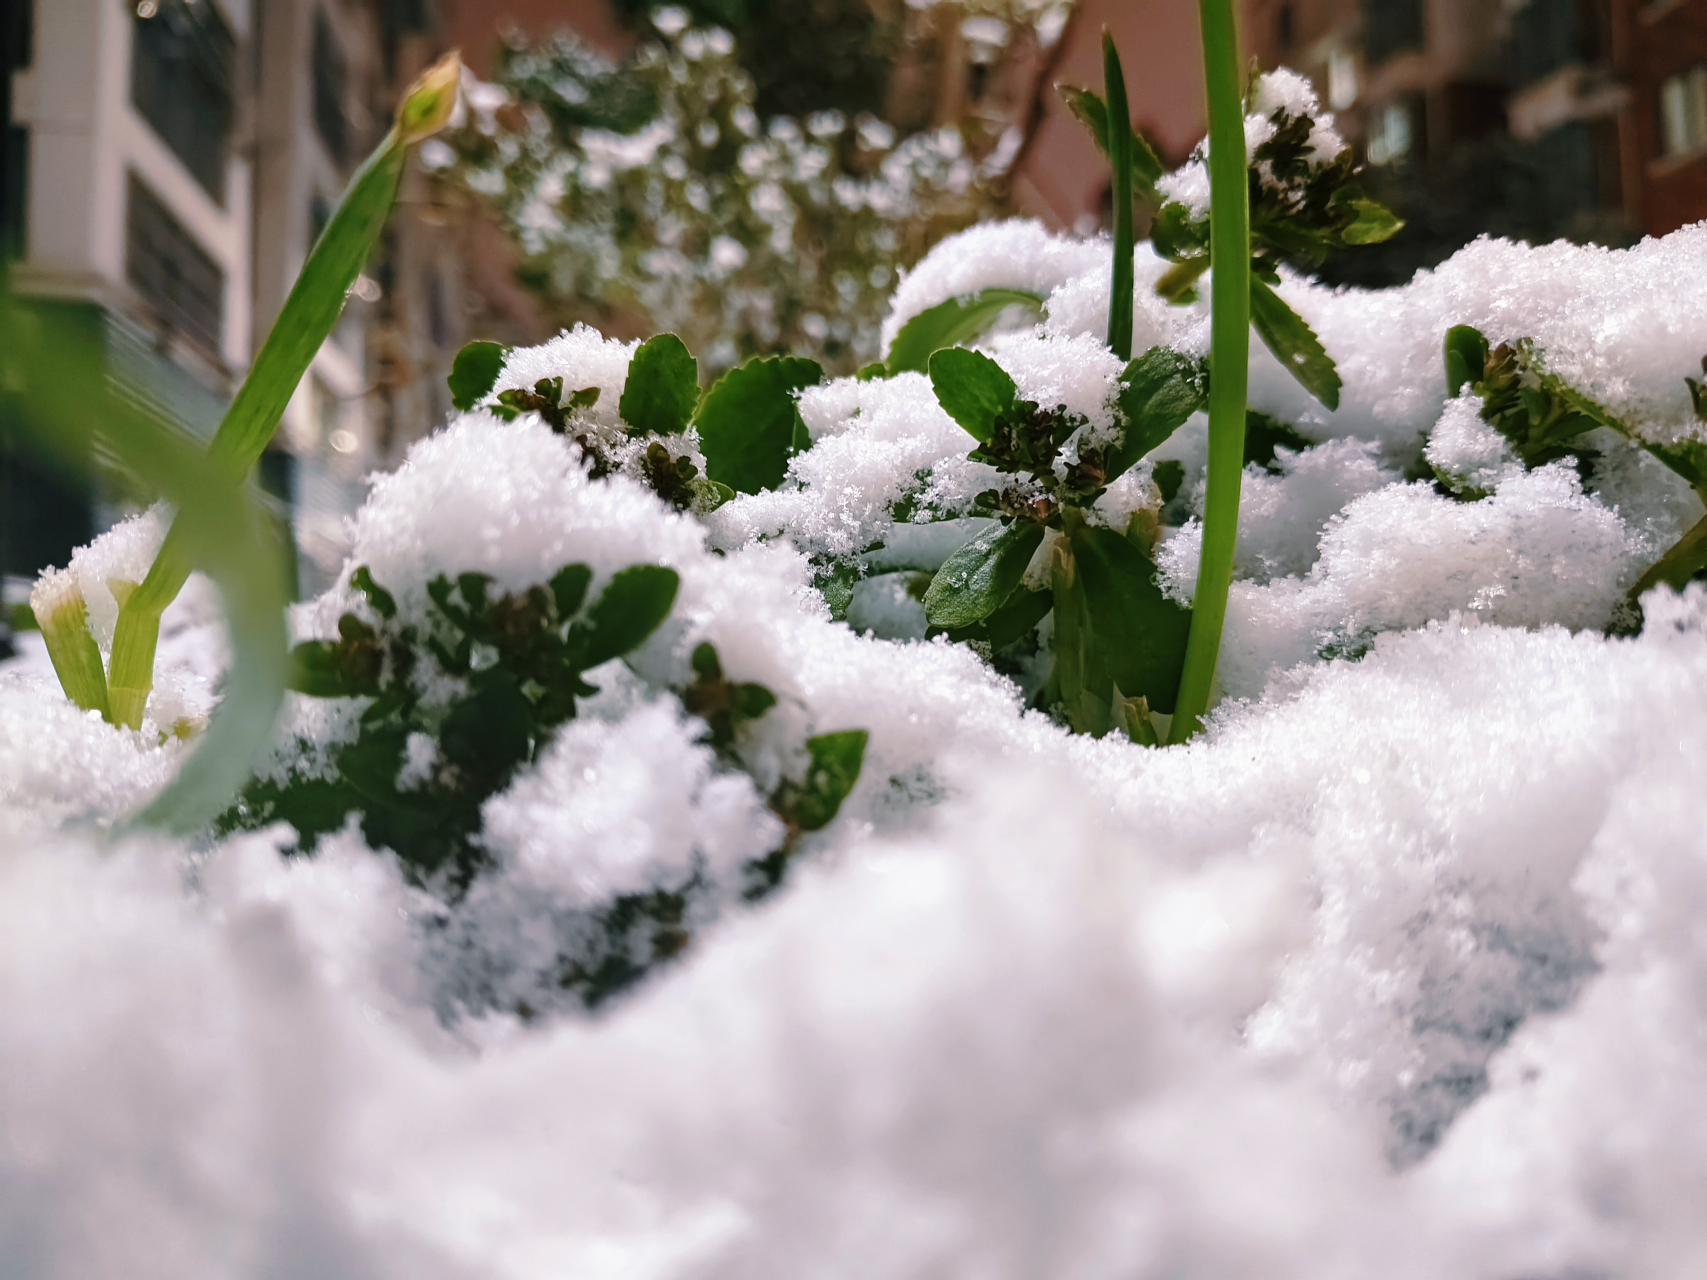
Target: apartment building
[(167, 166), (1539, 118)]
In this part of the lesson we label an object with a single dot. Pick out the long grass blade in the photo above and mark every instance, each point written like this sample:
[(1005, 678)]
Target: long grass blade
[(1229, 358), (313, 307)]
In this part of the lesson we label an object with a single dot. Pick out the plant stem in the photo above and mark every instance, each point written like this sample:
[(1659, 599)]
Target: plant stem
[(303, 324), (1229, 358), (63, 618), (1120, 161)]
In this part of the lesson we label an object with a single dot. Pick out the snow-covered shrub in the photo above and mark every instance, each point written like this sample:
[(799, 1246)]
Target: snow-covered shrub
[(1396, 971), (654, 188)]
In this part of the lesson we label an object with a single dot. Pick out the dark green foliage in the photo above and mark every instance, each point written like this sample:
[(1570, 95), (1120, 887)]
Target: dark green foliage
[(723, 705), (1114, 629), (474, 372), (814, 803), (1538, 414), (546, 399), (1169, 477), (1146, 167), (662, 388), (749, 424), (1263, 435), (979, 578), (973, 390), (676, 480), (523, 657), (947, 324), (1158, 392), (803, 55), (1119, 147), (1301, 211), (1466, 357), (1294, 344)]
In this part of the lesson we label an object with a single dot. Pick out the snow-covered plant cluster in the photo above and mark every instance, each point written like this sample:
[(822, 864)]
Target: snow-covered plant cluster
[(655, 187), (645, 701)]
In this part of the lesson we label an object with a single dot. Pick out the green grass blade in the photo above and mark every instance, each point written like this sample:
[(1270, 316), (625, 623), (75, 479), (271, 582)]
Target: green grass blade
[(1120, 161), (1229, 358), (313, 307)]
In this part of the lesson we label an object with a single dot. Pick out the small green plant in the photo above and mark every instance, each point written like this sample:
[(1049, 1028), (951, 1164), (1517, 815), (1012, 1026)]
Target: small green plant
[(303, 324), (1544, 420), (1118, 641), (521, 657), (747, 425)]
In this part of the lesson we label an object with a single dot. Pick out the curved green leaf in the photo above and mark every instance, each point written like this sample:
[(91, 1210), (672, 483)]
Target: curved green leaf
[(1466, 357), (972, 388), (1294, 344), (475, 372), (950, 323), (836, 761), (634, 602), (1131, 635), (978, 579), (662, 389), (747, 421), (1158, 391)]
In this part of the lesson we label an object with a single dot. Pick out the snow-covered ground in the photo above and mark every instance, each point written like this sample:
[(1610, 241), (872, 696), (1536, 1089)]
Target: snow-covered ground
[(1400, 971)]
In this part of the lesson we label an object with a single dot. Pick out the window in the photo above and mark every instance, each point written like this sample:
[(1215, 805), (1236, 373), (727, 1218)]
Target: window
[(330, 76), (1391, 26), (183, 62), (1395, 131), (170, 270), (1683, 112)]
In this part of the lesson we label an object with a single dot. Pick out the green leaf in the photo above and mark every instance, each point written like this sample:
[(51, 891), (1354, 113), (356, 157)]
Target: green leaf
[(747, 421), (949, 323), (1371, 222), (1177, 236), (972, 388), (1119, 133), (569, 588), (1169, 476), (1010, 623), (634, 603), (1158, 391), (1092, 112), (1264, 434), (662, 390), (585, 398), (872, 372), (327, 669), (1294, 344), (474, 372), (836, 762), (978, 579), (1128, 633), (1466, 357), (377, 596)]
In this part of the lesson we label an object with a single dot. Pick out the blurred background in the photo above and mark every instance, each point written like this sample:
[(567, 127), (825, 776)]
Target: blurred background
[(751, 174)]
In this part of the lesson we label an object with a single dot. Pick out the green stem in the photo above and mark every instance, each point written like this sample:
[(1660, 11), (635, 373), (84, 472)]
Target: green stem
[(303, 324), (64, 621), (306, 319), (1229, 358), (1120, 161)]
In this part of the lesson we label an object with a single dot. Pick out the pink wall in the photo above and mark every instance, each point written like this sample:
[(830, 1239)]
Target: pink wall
[(1062, 176)]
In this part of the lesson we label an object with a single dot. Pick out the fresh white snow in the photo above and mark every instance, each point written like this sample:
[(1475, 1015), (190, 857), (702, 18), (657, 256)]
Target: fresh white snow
[(1399, 971)]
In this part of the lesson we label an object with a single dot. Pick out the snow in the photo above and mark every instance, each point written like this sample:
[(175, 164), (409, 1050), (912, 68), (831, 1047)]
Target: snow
[(1398, 971)]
